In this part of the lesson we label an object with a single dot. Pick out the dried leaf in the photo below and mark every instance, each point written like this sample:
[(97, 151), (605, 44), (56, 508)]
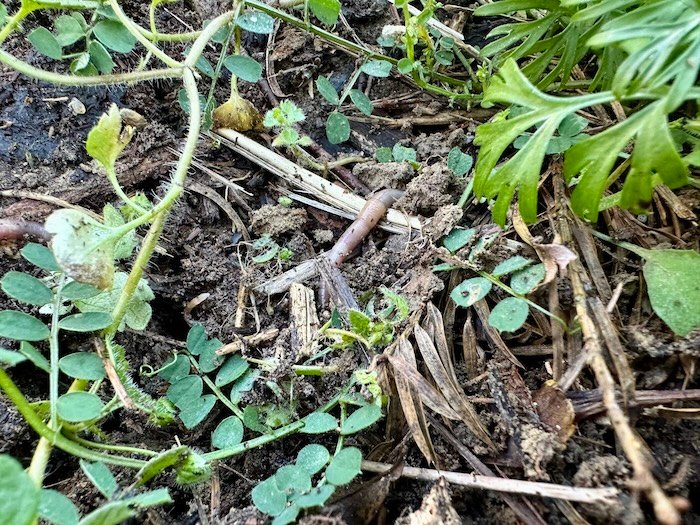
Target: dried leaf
[(555, 409), (412, 405), (455, 397)]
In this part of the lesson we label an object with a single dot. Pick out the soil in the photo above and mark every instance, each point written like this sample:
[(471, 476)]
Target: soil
[(203, 264)]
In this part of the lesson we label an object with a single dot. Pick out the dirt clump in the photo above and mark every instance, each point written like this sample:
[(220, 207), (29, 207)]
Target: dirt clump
[(384, 174), (433, 188), (275, 219), (443, 221)]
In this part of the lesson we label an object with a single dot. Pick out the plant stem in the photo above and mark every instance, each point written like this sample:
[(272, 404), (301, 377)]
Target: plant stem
[(13, 22), (75, 80), (56, 438), (215, 389), (54, 354), (136, 33)]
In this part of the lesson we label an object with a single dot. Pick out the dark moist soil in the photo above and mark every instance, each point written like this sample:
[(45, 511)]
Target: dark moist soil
[(197, 281)]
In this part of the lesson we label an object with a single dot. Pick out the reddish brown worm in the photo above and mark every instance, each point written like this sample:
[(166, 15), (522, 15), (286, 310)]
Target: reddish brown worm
[(17, 229), (372, 212)]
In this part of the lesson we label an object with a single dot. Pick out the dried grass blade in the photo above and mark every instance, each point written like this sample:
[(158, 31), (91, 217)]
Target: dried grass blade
[(452, 392), (435, 327), (430, 397), (412, 406)]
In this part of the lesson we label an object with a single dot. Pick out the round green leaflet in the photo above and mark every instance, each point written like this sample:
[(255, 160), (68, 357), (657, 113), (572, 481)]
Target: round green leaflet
[(19, 498), (344, 466), (256, 22), (525, 281), (75, 407), (337, 128), (319, 423), (268, 498), (509, 314), (312, 458), (470, 291), (26, 288), (86, 322), (57, 508), (228, 433), (22, 327), (361, 419), (82, 365)]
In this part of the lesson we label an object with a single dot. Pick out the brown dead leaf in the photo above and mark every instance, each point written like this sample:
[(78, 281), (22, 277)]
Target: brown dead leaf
[(555, 409), (412, 405), (452, 392)]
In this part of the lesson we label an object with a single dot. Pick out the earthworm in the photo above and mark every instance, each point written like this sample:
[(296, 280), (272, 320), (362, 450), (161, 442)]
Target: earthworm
[(371, 213), (17, 229)]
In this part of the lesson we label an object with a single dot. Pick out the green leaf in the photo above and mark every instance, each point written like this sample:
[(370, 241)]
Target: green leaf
[(82, 365), (68, 30), (101, 58), (377, 68), (337, 128), (185, 391), (268, 498), (228, 433), (459, 163), (176, 370), (292, 478), (405, 66), (75, 407), (116, 512), (327, 91), (344, 466), (361, 101), (3, 14), (99, 475), (22, 327), (319, 423), (194, 412), (403, 154), (509, 314), (56, 508), (87, 322), (244, 67), (256, 22), (521, 172), (288, 515), (327, 11), (673, 287), (40, 256), (75, 291), (511, 265), (234, 367), (458, 238), (243, 384), (252, 418), (360, 419), (106, 140), (359, 322), (209, 360), (470, 291), (10, 357), (45, 43), (525, 281), (25, 288), (82, 66), (317, 497), (383, 154), (30, 352), (312, 458), (19, 497), (115, 36)]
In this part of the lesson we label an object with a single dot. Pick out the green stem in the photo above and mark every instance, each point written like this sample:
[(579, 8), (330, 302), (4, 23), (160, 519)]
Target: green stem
[(215, 389), (136, 33), (54, 354), (75, 80), (58, 439), (13, 22), (116, 448), (275, 435), (151, 240)]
